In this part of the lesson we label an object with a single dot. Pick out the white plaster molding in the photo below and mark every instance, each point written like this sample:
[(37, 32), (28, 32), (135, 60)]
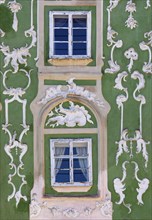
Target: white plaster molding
[(122, 145), (14, 143), (70, 89), (142, 184), (132, 55), (148, 4), (21, 150), (119, 187), (14, 7), (113, 4), (141, 146), (16, 93), (19, 55), (111, 34), (105, 208), (72, 116), (121, 98), (140, 98), (2, 33), (147, 67), (125, 144), (131, 8)]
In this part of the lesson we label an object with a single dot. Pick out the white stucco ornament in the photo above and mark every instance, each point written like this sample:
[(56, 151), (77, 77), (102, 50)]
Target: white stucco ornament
[(15, 144), (2, 2), (18, 56), (14, 7), (121, 77), (131, 55), (148, 4), (72, 116), (2, 33), (147, 67), (131, 8), (120, 187), (71, 213), (70, 89), (142, 185), (111, 35), (113, 4)]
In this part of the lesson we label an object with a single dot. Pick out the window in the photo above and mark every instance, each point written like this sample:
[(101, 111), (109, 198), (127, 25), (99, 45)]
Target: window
[(70, 34), (71, 162)]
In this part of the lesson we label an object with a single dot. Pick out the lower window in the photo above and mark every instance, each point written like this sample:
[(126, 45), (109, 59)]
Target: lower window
[(71, 162)]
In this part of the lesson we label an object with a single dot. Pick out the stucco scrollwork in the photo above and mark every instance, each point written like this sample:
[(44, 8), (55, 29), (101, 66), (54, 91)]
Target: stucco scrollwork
[(121, 77), (147, 67), (120, 187), (111, 35), (72, 116), (36, 207), (148, 4), (14, 142), (70, 89), (19, 55), (142, 184)]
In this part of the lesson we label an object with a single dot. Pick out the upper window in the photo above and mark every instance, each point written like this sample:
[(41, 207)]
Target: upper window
[(70, 34), (71, 162)]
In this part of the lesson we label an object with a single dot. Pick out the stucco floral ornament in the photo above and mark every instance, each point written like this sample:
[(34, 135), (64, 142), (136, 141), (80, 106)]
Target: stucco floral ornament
[(132, 55), (14, 7), (131, 22)]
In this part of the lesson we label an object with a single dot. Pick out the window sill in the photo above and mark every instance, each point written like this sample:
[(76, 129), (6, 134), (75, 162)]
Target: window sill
[(70, 62), (72, 188)]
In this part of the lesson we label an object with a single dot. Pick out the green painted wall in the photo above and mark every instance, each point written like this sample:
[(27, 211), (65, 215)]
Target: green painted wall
[(131, 38)]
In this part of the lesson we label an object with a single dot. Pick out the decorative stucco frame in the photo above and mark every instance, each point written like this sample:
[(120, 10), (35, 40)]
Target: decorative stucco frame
[(86, 207)]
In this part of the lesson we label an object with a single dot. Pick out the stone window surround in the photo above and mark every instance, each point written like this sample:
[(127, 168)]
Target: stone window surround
[(58, 68)]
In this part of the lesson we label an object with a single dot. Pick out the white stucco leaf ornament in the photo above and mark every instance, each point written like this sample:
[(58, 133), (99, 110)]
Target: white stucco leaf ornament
[(132, 55), (122, 145), (142, 185), (120, 187), (141, 146), (72, 116), (70, 89)]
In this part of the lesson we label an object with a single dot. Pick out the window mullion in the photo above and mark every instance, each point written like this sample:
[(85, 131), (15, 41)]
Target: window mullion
[(70, 35), (71, 162)]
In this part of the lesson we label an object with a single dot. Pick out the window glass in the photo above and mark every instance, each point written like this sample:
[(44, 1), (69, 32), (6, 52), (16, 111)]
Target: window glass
[(79, 22), (69, 34), (71, 161)]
